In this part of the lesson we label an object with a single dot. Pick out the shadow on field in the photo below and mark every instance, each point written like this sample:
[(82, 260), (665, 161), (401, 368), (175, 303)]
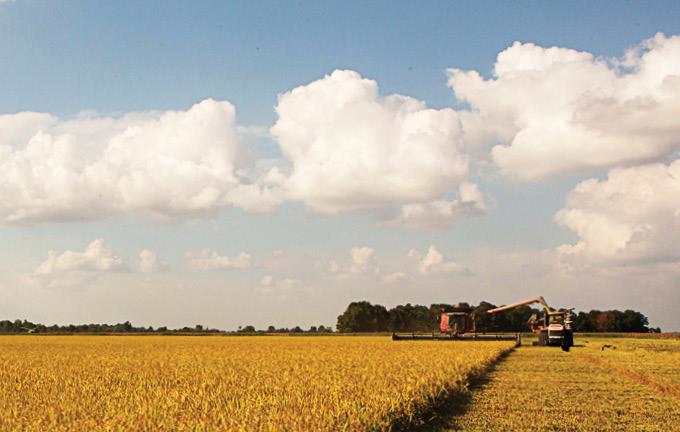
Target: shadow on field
[(441, 414)]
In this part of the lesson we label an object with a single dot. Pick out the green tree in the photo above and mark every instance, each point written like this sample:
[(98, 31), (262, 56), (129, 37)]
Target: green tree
[(409, 318), (363, 317)]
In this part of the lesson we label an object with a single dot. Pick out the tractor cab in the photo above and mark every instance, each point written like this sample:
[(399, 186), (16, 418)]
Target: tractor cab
[(554, 329)]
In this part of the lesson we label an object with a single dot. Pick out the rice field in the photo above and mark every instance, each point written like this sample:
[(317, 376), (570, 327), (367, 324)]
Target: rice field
[(177, 383), (617, 384), (144, 383)]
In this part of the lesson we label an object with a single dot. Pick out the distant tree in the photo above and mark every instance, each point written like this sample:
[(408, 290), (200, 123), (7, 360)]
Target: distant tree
[(324, 329), (628, 321), (634, 322), (486, 322), (409, 318), (363, 317), (271, 329), (198, 328), (584, 322), (606, 322), (296, 329), (247, 329), (313, 329)]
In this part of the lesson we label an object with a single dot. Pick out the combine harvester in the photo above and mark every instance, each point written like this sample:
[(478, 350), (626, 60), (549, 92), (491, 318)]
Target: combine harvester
[(553, 327)]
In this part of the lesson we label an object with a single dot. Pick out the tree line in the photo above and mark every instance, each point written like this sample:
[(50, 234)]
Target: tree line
[(23, 326), (363, 316), (19, 326)]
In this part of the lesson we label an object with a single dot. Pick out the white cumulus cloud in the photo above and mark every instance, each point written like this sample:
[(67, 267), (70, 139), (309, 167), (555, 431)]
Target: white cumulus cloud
[(351, 148), (167, 164), (97, 257), (441, 213), (632, 216), (363, 260), (395, 277), (557, 110), (150, 262), (278, 288), (362, 263), (435, 262), (206, 259)]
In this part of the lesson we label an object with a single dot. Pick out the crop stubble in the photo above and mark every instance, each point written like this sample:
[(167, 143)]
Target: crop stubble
[(605, 385)]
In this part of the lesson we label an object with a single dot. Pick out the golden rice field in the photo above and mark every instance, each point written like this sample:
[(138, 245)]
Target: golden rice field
[(143, 383), (617, 384)]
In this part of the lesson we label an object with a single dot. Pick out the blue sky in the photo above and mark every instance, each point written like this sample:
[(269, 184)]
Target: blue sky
[(75, 60), (164, 55)]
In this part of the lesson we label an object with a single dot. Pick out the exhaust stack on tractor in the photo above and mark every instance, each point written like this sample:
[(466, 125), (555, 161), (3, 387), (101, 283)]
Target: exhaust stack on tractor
[(553, 327)]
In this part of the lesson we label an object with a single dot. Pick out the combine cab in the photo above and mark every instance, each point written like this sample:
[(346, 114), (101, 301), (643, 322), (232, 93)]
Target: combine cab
[(554, 328)]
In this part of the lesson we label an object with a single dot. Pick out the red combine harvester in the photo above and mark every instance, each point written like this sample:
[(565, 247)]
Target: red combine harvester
[(553, 327)]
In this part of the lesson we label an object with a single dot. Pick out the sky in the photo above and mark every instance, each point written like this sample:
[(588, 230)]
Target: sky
[(266, 163)]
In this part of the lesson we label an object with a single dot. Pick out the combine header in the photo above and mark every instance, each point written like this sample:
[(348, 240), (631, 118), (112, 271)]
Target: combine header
[(553, 327)]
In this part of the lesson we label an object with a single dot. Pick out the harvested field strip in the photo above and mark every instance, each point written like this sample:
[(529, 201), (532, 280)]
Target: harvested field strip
[(635, 375), (654, 363), (539, 388)]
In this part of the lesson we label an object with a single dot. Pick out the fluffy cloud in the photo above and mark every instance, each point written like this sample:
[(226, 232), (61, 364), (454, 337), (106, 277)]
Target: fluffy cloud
[(362, 263), (395, 277), (439, 214), (97, 257), (363, 260), (558, 110), (166, 164), (435, 262), (632, 216), (149, 262), (351, 148), (278, 288), (206, 259)]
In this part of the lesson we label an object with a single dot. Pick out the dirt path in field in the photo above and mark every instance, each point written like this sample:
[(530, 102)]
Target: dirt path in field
[(541, 388)]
